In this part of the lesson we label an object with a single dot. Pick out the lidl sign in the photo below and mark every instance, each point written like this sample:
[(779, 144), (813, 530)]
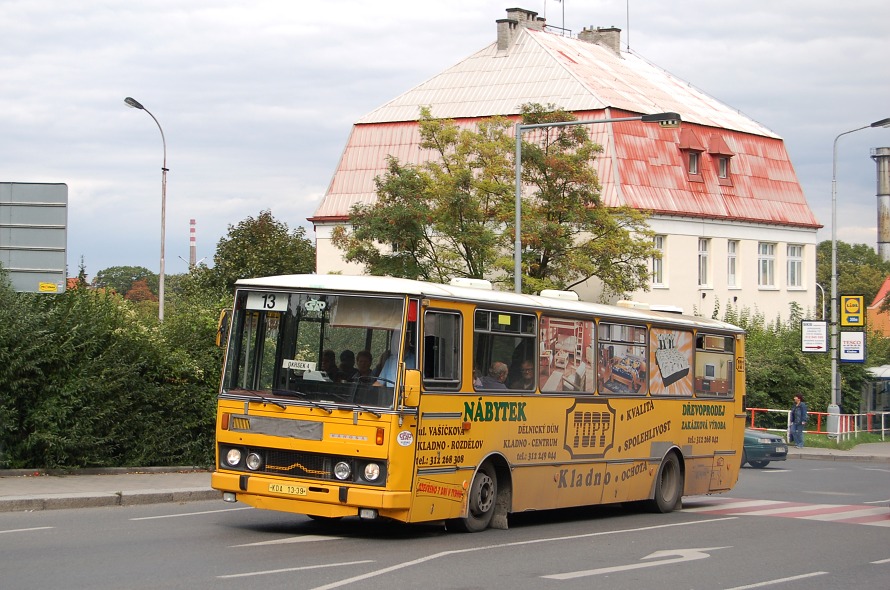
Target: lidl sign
[(853, 310)]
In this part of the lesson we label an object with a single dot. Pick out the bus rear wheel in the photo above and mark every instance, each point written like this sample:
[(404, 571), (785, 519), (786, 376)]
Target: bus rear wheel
[(668, 485), (483, 495)]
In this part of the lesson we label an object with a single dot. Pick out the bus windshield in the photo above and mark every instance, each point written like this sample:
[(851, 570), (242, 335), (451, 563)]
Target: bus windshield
[(319, 347)]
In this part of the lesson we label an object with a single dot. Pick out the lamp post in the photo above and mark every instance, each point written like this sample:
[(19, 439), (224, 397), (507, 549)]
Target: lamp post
[(666, 120), (133, 103), (834, 408), (821, 288)]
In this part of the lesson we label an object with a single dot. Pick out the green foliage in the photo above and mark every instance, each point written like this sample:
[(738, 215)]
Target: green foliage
[(255, 247), (90, 382), (860, 269), (444, 218), (454, 216), (121, 278), (568, 235)]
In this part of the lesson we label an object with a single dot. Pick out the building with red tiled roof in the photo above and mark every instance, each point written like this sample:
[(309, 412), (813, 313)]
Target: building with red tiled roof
[(730, 216), (878, 321)]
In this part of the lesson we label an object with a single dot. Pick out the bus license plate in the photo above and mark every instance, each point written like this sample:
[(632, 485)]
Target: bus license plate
[(279, 488)]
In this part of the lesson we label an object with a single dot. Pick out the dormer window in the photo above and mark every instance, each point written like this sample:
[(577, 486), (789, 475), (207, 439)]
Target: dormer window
[(692, 150), (694, 164), (722, 167), (722, 154)]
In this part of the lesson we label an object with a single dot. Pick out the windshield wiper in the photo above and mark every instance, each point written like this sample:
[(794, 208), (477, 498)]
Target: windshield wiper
[(257, 397), (304, 396), (364, 409)]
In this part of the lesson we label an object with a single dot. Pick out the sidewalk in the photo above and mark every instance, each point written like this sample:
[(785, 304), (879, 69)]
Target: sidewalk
[(22, 490), (29, 490)]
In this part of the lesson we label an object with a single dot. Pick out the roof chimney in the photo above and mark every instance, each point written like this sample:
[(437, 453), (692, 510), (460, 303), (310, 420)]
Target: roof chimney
[(516, 18), (609, 37)]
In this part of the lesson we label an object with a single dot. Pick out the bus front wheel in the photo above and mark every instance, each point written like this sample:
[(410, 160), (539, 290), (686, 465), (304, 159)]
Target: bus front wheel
[(668, 485), (483, 495)]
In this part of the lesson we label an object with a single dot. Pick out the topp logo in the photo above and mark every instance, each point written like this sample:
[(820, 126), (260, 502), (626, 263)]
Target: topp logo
[(589, 429)]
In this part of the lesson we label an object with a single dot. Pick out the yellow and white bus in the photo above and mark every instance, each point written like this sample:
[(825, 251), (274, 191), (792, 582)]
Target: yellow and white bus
[(380, 397)]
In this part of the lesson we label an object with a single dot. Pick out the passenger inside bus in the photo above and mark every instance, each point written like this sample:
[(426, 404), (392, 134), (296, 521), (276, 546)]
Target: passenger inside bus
[(526, 378), (363, 370), (496, 377), (329, 365)]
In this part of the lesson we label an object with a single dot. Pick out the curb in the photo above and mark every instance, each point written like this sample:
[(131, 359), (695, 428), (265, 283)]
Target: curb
[(101, 471), (104, 499)]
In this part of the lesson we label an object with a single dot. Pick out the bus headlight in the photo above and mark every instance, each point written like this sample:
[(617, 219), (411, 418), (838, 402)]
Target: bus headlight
[(342, 470), (233, 457), (254, 461), (372, 472)]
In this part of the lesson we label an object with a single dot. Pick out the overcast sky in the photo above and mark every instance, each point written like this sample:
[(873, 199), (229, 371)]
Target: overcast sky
[(257, 99)]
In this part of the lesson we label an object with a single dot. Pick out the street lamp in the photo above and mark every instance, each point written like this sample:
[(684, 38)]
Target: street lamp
[(834, 409), (133, 103), (666, 120)]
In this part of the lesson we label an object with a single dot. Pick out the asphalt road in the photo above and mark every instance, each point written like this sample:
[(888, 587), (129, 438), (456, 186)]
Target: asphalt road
[(794, 525)]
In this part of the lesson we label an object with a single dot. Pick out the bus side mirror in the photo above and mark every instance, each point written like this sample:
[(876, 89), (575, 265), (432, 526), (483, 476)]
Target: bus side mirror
[(412, 388), (222, 327)]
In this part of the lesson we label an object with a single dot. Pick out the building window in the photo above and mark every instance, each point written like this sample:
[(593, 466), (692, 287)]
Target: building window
[(704, 247), (795, 265), (723, 167), (766, 264), (658, 261), (732, 252), (691, 148), (694, 163)]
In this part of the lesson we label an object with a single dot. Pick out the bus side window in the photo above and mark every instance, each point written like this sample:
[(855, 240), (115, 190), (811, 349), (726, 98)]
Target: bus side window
[(441, 350)]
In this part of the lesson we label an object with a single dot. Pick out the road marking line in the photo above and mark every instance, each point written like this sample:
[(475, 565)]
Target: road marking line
[(420, 560), (881, 561), (848, 514), (778, 581), (729, 504), (37, 528), (300, 539), (191, 513), (294, 569)]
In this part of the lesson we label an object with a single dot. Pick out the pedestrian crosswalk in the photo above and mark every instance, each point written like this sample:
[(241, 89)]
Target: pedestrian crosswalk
[(848, 513)]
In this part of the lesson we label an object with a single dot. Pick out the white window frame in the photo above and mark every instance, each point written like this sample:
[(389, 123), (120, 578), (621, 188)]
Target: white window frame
[(766, 265), (722, 167), (732, 263), (704, 262), (694, 163), (658, 242), (795, 266)]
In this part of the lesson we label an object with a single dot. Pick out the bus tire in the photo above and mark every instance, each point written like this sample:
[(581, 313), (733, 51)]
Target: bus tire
[(668, 485), (483, 495)]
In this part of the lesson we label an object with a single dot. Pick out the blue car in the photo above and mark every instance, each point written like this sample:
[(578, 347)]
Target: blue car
[(761, 447)]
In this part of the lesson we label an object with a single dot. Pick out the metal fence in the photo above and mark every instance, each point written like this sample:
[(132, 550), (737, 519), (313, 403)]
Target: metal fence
[(849, 425)]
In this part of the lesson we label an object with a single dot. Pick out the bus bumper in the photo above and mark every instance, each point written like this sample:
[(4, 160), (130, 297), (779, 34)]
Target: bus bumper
[(321, 499)]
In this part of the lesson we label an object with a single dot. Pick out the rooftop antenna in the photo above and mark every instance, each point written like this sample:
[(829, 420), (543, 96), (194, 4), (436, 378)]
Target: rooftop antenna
[(627, 35)]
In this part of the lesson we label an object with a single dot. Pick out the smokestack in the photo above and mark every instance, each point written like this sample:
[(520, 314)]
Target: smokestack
[(881, 156), (193, 246)]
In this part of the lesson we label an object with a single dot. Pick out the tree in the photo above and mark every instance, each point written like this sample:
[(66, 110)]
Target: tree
[(256, 247), (453, 216), (444, 218), (860, 270), (140, 292), (568, 234), (121, 278)]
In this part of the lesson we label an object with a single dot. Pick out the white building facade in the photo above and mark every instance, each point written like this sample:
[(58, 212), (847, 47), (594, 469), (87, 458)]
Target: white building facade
[(729, 215)]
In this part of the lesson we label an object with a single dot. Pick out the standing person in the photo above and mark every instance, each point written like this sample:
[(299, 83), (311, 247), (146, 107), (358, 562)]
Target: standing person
[(798, 420)]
